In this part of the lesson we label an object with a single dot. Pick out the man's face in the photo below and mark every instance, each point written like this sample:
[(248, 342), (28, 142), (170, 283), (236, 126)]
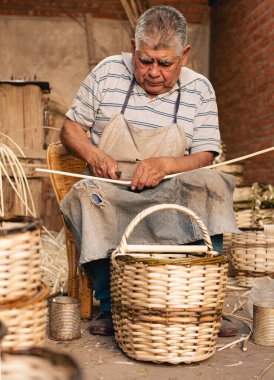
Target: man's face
[(157, 71)]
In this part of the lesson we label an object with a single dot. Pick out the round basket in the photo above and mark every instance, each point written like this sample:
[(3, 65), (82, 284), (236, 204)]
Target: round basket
[(167, 300), (20, 273), (39, 364), (25, 320), (252, 255)]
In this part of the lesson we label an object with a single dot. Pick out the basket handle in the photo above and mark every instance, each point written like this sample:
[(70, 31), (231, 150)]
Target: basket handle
[(125, 248)]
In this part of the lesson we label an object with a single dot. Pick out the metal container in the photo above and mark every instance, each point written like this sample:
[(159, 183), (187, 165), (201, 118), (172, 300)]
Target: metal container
[(64, 318), (263, 323)]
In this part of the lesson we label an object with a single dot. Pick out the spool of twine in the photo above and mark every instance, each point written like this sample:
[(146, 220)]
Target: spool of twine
[(263, 323), (64, 318)]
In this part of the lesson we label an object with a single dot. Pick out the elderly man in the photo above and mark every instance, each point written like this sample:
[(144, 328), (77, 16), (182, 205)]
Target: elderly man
[(148, 116)]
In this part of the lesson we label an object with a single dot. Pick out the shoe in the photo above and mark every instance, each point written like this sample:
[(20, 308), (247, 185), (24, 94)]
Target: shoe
[(102, 324), (227, 328)]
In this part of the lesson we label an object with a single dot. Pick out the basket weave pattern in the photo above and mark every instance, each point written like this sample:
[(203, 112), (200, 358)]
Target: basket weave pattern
[(26, 321), (20, 265), (23, 306), (164, 308), (252, 218), (252, 256)]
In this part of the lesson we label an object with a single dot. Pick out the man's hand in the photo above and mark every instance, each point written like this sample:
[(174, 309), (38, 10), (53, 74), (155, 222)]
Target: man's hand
[(102, 165), (76, 141), (149, 173)]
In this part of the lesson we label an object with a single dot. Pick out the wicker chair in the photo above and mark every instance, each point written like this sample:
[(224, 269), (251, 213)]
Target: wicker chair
[(59, 159)]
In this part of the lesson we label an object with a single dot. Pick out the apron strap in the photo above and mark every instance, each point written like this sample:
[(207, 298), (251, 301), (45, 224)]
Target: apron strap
[(128, 95), (177, 104)]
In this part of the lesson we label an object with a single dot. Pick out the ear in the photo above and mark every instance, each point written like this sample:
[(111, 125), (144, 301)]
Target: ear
[(185, 55), (133, 46)]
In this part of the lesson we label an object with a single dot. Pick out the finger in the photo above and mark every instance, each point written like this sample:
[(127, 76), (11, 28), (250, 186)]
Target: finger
[(112, 169), (143, 181), (136, 177)]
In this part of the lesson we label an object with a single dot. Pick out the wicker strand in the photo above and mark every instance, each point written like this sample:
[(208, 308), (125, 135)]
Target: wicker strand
[(119, 182)]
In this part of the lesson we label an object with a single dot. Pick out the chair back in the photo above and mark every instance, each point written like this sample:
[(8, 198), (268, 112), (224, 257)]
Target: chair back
[(59, 159)]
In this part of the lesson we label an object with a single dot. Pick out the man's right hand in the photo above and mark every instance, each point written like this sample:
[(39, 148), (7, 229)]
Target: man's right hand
[(76, 141), (102, 165)]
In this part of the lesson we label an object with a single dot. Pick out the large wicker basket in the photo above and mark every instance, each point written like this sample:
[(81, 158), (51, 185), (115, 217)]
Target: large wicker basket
[(25, 320), (20, 273), (167, 300), (253, 255)]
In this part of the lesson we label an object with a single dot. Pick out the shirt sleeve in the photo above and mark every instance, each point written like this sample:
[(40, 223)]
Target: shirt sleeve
[(86, 102), (206, 134)]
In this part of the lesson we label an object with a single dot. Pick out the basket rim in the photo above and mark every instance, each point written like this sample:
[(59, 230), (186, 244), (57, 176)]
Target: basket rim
[(43, 291), (55, 358), (186, 261), (31, 224)]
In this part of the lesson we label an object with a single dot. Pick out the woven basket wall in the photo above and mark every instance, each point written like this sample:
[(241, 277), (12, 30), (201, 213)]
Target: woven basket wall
[(253, 255), (20, 273), (165, 307), (252, 218), (227, 246), (25, 321)]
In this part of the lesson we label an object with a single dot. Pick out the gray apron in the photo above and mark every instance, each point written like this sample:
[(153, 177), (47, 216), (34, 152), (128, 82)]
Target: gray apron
[(128, 144)]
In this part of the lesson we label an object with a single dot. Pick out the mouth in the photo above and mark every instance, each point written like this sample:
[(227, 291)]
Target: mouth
[(153, 84)]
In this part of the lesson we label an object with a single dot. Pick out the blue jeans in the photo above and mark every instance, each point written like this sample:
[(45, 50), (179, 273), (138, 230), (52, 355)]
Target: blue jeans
[(99, 273)]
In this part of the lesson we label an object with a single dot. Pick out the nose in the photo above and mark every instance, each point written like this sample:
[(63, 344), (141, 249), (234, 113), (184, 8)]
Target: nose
[(154, 70)]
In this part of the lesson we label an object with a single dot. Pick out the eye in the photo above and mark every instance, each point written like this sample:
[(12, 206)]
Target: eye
[(145, 61), (165, 63)]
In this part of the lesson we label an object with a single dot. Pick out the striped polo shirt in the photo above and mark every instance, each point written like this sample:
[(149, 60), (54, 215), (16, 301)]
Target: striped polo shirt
[(103, 92)]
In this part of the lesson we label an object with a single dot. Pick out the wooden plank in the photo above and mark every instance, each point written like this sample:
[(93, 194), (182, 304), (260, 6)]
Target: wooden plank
[(11, 113), (50, 210), (33, 153), (90, 41), (33, 117)]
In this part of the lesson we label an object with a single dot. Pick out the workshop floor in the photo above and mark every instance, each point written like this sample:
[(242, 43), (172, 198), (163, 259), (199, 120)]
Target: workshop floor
[(100, 358)]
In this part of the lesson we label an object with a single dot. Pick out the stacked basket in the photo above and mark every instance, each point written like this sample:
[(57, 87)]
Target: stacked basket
[(167, 301), (23, 307), (253, 250)]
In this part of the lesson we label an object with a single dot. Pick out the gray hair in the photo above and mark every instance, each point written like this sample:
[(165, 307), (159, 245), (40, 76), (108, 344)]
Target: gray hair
[(161, 27)]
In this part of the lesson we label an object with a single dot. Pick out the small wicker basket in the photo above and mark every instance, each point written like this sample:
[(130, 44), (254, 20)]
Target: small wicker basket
[(253, 255), (20, 273), (25, 320), (167, 300), (64, 318)]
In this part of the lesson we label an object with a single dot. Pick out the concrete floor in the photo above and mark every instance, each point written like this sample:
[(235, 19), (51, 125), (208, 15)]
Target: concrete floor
[(101, 359)]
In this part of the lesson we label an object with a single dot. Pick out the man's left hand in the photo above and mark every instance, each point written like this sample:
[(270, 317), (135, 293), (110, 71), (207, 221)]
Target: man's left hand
[(149, 173)]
